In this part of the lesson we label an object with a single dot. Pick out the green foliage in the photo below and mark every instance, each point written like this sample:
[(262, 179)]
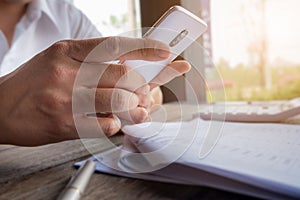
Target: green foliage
[(118, 22), (285, 81)]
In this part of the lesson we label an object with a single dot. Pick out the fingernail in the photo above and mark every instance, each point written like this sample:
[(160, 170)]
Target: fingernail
[(163, 53)]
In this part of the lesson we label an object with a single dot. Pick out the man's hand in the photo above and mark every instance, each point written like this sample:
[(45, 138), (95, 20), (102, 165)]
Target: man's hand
[(37, 99), (171, 71)]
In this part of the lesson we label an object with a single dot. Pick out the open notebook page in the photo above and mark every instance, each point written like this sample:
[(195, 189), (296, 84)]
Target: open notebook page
[(263, 155)]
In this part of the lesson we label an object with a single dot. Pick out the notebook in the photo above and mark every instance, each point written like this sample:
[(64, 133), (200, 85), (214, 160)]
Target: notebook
[(260, 160)]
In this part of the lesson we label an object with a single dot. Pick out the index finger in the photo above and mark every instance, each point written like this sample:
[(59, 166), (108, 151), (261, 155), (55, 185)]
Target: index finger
[(117, 48), (174, 69)]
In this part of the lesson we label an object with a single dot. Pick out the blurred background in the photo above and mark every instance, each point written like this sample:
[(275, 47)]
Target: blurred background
[(255, 44)]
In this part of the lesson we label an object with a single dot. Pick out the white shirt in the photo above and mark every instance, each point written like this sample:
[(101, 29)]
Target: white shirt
[(45, 22)]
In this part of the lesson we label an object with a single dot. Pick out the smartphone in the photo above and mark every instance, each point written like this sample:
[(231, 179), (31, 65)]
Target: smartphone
[(178, 28)]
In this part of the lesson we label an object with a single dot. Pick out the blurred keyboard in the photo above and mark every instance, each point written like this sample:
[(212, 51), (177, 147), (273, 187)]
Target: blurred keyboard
[(255, 111)]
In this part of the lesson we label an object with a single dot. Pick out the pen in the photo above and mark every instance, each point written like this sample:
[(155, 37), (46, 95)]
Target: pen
[(76, 186)]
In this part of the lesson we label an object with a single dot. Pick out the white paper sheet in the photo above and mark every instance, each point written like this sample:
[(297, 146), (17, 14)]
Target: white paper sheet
[(263, 155), (261, 160)]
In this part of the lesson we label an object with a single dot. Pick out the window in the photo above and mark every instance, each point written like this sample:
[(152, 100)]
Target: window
[(113, 17), (255, 46)]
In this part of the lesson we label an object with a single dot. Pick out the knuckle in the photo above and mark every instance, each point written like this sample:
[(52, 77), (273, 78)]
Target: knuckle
[(58, 102), (60, 48), (61, 72), (100, 99), (119, 99), (144, 100), (123, 100), (113, 44), (118, 72), (133, 100), (123, 71), (56, 72)]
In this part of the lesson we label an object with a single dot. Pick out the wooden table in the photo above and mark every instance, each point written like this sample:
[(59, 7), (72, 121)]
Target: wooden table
[(42, 172)]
